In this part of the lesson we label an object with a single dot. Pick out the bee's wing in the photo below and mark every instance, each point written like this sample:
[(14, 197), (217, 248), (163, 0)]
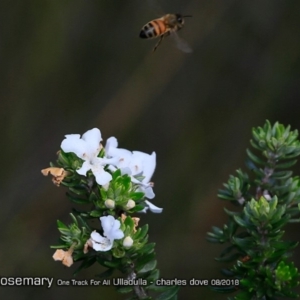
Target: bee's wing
[(181, 44)]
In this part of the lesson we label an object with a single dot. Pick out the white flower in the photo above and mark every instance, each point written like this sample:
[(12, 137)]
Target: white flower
[(87, 148), (135, 164), (111, 228), (128, 242), (131, 163), (111, 231)]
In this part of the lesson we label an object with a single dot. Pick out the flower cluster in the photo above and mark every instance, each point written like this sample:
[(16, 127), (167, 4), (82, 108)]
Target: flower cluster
[(138, 165), (116, 181), (112, 184)]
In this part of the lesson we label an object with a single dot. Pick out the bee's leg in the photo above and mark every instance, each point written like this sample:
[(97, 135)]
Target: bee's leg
[(158, 43)]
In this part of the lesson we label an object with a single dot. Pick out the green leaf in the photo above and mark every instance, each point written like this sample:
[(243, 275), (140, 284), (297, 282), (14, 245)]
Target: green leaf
[(61, 225), (111, 264), (254, 158), (93, 197), (78, 190), (76, 199), (116, 174), (141, 232), (255, 145), (153, 275), (287, 164), (217, 230), (231, 213), (282, 175), (118, 253), (95, 213), (58, 246), (243, 243), (148, 267), (142, 261), (149, 248), (136, 195), (85, 264), (213, 239), (240, 221), (106, 273)]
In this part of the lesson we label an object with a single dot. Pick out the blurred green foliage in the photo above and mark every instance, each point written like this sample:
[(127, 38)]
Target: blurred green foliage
[(270, 200)]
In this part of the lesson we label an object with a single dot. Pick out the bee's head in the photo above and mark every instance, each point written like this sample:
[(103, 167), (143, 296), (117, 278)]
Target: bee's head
[(180, 18)]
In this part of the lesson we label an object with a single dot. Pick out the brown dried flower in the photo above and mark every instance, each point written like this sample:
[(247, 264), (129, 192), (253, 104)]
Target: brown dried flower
[(135, 220), (58, 174), (64, 256)]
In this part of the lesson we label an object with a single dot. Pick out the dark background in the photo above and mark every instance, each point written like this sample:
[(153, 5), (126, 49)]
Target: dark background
[(69, 66)]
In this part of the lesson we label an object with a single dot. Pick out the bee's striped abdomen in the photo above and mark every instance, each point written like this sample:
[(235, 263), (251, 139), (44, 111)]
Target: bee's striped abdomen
[(153, 29)]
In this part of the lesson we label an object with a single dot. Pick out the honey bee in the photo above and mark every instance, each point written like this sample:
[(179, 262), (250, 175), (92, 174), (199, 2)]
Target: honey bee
[(164, 26)]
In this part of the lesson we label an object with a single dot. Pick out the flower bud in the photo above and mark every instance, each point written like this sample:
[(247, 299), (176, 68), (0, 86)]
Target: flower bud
[(109, 203), (130, 204), (128, 242)]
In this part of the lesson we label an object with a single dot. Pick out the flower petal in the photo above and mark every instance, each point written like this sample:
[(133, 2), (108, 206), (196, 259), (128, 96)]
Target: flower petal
[(86, 166), (59, 254), (154, 208), (146, 189), (96, 237), (148, 164), (149, 192), (127, 171), (123, 156), (116, 225), (103, 177), (111, 142), (100, 243), (93, 138), (73, 143), (117, 234), (111, 228)]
